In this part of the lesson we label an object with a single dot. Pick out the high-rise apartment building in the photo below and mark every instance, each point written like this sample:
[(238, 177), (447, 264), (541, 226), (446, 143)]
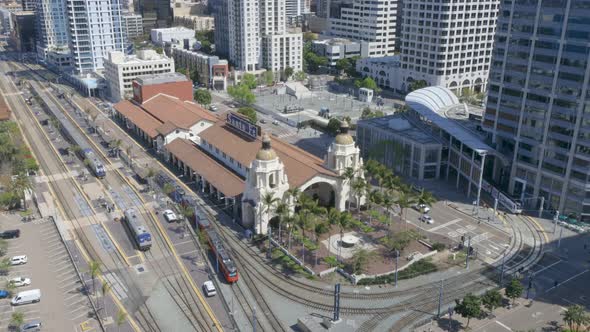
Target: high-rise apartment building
[(360, 20), (447, 44), (538, 107), (52, 28), (28, 5), (295, 8), (220, 10), (155, 13), (96, 28), (133, 24), (244, 34)]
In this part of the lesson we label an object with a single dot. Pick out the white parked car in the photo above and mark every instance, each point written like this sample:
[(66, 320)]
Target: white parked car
[(169, 215), (18, 260), (20, 281), (421, 207), (427, 219), (209, 288)]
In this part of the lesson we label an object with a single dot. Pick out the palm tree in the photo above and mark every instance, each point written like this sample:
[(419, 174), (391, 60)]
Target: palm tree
[(151, 172), (17, 319), (268, 204), (425, 197), (358, 187), (575, 316), (404, 201), (292, 196), (106, 288), (121, 318), (387, 203), (360, 259), (94, 269), (290, 223), (187, 212), (348, 174), (344, 221), (332, 217), (19, 186), (282, 210), (116, 144), (168, 189)]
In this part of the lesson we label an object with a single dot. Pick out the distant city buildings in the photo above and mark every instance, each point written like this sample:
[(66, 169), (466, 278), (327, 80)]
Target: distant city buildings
[(120, 70), (196, 22), (374, 22), (96, 28), (180, 35), (257, 35), (335, 49), (537, 111), (211, 71), (154, 13), (447, 44), (22, 36), (133, 24)]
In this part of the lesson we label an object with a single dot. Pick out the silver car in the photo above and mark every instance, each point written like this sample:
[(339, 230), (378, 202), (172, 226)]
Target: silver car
[(34, 325)]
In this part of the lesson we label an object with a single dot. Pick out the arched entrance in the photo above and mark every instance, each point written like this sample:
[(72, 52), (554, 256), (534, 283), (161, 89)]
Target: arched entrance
[(323, 192)]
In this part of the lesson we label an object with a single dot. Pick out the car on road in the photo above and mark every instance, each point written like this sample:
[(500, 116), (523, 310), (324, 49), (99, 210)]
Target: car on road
[(421, 208), (213, 108), (18, 260), (275, 122), (427, 219), (20, 281), (3, 294), (209, 288), (34, 325), (10, 234), (170, 216), (262, 121)]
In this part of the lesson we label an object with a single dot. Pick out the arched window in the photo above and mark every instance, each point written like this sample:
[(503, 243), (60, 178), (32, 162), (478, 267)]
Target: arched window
[(271, 181)]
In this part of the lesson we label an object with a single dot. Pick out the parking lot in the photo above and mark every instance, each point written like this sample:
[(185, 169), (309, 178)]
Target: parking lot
[(63, 306)]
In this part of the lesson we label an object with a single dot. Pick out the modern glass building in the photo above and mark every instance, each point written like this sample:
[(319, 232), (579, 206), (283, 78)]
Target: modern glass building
[(538, 107)]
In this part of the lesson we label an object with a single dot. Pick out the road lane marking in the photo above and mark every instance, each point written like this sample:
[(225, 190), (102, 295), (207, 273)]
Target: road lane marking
[(454, 221), (504, 326), (547, 267), (569, 279)]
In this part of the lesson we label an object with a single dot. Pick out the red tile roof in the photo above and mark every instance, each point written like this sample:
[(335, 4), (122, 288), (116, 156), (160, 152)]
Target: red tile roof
[(220, 177), (141, 119), (300, 166)]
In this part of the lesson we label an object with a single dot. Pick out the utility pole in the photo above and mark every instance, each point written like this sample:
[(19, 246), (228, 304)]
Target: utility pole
[(495, 208), (440, 298), (268, 252), (336, 303), (560, 233), (502, 270), (541, 207), (468, 250), (254, 319), (555, 218), (396, 262), (528, 290)]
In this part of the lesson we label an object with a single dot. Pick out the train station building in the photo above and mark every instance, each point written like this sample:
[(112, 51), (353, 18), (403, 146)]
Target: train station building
[(235, 164)]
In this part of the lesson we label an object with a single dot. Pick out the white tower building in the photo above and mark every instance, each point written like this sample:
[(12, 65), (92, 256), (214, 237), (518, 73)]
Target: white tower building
[(447, 44), (96, 28), (265, 176), (343, 154)]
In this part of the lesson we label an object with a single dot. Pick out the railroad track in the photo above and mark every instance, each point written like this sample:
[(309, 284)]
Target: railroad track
[(429, 302), (55, 166), (177, 289)]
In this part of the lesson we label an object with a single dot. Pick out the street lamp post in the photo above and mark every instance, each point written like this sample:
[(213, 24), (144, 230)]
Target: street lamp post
[(483, 159)]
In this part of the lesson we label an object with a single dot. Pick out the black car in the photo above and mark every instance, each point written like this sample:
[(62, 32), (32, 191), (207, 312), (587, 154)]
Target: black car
[(10, 234)]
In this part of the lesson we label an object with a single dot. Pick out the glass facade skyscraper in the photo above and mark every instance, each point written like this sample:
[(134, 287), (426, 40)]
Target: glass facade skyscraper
[(538, 107)]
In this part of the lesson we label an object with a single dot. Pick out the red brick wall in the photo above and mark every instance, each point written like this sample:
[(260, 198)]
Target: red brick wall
[(181, 90)]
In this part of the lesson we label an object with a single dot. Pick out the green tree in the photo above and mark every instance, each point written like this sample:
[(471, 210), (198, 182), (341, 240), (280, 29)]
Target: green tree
[(159, 50), (313, 61), (19, 185), (469, 308), (300, 76), (17, 319), (404, 201), (267, 78), (415, 85), (268, 202), (287, 73), (333, 126), (203, 97), (10, 288), (249, 112), (367, 83), (514, 289), (121, 318), (195, 77), (343, 65), (168, 189), (106, 288), (309, 36), (249, 80), (94, 269), (242, 94), (358, 188), (491, 299), (575, 316), (360, 259), (425, 197)]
